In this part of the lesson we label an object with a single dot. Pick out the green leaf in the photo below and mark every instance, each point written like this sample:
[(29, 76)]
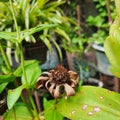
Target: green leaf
[(50, 112), (62, 33), (7, 78), (20, 112), (10, 36), (117, 4), (2, 87), (4, 0), (46, 41), (112, 49), (91, 103), (115, 71), (5, 70), (115, 31), (39, 28), (13, 96), (58, 49), (18, 72), (33, 71)]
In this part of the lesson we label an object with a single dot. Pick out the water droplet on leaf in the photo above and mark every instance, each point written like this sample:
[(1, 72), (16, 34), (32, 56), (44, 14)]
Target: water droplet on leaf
[(97, 109), (90, 113), (84, 107)]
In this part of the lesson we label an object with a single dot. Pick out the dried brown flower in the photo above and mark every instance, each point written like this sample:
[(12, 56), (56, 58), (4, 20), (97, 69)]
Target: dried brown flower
[(59, 80)]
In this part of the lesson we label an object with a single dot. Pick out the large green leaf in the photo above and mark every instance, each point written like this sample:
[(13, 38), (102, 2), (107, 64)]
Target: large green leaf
[(33, 71), (18, 72), (91, 103), (13, 96), (112, 49), (50, 112), (19, 112), (7, 78)]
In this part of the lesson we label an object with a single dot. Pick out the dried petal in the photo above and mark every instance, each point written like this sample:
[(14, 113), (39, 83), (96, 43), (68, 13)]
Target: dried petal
[(74, 82), (40, 81), (73, 77), (50, 88), (47, 74), (57, 93), (48, 84), (69, 90)]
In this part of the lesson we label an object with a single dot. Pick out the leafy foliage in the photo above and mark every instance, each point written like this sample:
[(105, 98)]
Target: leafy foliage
[(30, 16), (13, 96), (102, 20), (51, 112), (91, 103)]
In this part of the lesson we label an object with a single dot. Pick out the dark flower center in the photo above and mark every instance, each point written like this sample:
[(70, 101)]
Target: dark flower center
[(60, 75)]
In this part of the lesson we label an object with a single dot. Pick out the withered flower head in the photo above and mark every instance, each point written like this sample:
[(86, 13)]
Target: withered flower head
[(59, 80)]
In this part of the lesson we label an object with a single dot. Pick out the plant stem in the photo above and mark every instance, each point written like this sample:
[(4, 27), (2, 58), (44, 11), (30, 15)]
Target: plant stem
[(25, 77), (22, 62), (14, 113), (28, 107), (16, 25), (37, 102), (108, 10), (5, 57)]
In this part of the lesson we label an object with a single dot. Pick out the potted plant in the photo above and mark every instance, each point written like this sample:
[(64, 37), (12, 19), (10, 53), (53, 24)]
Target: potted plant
[(29, 14)]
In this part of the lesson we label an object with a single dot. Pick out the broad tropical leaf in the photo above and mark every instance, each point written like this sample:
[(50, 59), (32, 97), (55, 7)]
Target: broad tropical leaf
[(33, 71), (13, 96), (112, 49), (91, 103)]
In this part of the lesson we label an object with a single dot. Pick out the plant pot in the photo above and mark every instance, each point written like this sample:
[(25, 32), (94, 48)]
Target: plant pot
[(103, 63), (48, 59)]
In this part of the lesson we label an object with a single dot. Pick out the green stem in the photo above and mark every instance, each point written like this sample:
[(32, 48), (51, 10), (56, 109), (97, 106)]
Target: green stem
[(5, 57), (25, 77), (28, 107), (22, 61), (14, 113), (16, 25), (23, 64)]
